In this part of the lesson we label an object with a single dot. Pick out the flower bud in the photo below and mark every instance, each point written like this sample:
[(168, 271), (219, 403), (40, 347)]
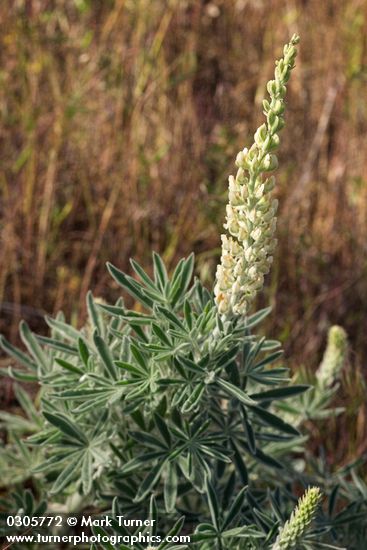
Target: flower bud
[(269, 163), (241, 158)]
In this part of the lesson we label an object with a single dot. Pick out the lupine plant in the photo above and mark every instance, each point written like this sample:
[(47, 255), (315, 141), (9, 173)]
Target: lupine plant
[(314, 404), (173, 409)]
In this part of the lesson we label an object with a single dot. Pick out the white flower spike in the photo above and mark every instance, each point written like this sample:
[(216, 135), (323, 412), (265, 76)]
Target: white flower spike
[(251, 210)]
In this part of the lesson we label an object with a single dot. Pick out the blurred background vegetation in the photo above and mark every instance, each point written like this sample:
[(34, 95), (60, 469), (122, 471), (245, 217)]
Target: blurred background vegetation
[(120, 122)]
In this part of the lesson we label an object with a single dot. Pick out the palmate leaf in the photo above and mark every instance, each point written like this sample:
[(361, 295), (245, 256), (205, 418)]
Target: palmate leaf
[(193, 400), (274, 421), (18, 424), (144, 277), (106, 356), (219, 528), (69, 428), (132, 369), (248, 430), (69, 366), (170, 487), (234, 509), (121, 530), (162, 335), (226, 358), (91, 399), (163, 429), (250, 351), (172, 319), (280, 393), (87, 472), (139, 357), (161, 290), (180, 408), (160, 273), (267, 376), (69, 474), (54, 344), (63, 329), (180, 280), (18, 355), (137, 462), (104, 537), (234, 392), (95, 315), (21, 376), (76, 458), (266, 361), (135, 289), (30, 341), (174, 531), (150, 481), (213, 504), (257, 318), (139, 319), (26, 502), (238, 443), (148, 439)]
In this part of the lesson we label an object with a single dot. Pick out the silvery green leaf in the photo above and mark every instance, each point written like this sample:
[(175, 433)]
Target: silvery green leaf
[(63, 329), (68, 427), (274, 421), (160, 272), (18, 355), (150, 481), (130, 285), (232, 391), (105, 355), (280, 393), (57, 345), (170, 487), (33, 347), (95, 315), (68, 474)]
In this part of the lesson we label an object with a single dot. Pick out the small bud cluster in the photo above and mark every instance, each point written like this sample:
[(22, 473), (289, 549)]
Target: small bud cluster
[(334, 357), (251, 211), (294, 529)]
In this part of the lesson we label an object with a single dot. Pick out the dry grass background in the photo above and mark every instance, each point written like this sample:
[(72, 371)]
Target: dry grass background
[(120, 120)]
